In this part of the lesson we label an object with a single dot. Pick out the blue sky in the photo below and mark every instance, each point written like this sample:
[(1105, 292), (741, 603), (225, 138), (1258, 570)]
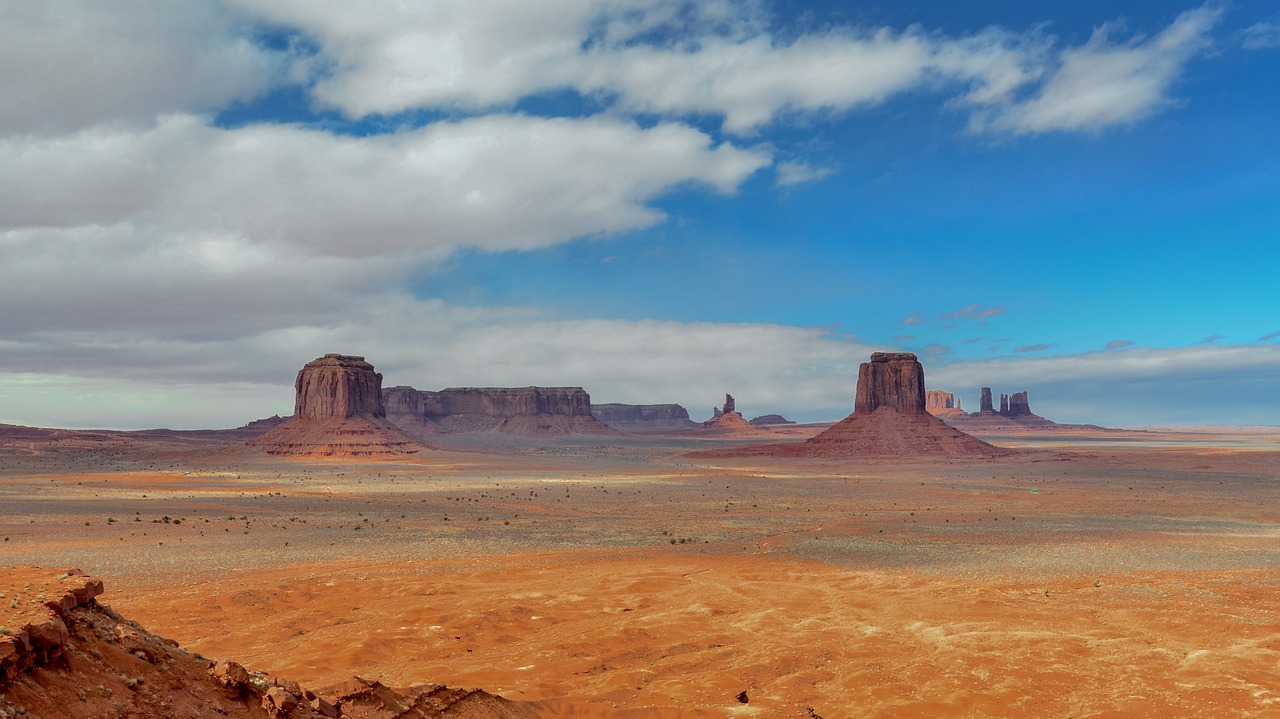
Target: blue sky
[(657, 200)]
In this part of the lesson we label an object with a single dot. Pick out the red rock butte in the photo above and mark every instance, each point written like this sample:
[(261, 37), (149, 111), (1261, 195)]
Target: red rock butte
[(889, 420), (338, 412)]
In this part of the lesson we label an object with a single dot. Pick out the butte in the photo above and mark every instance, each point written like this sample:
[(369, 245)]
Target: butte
[(338, 412), (888, 421)]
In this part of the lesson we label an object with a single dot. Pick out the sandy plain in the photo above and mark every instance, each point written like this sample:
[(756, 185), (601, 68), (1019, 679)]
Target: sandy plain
[(1090, 575)]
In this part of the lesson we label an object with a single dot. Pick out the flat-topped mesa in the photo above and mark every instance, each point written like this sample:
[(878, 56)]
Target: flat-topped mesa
[(338, 386), (642, 417), (891, 379), (338, 412), (529, 411)]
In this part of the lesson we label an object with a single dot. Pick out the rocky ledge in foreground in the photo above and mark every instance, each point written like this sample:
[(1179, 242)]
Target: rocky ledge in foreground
[(64, 655)]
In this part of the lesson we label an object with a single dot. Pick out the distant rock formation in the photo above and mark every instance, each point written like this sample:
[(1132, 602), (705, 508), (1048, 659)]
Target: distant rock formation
[(338, 412), (939, 403), (767, 419), (522, 411), (1014, 413), (889, 420), (727, 421), (643, 417)]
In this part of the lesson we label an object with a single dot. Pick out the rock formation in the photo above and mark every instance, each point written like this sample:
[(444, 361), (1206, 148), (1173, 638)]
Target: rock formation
[(941, 403), (894, 380), (889, 420), (74, 657), (523, 411), (767, 419), (1014, 414), (337, 387), (643, 417), (727, 421), (984, 401), (338, 412)]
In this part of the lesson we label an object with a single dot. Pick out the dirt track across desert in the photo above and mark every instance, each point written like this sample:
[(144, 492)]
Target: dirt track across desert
[(1118, 574)]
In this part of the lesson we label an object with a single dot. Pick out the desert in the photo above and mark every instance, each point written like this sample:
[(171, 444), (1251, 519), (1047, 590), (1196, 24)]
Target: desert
[(1080, 572)]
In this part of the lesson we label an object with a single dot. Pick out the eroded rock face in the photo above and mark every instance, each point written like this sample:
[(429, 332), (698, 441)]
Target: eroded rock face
[(891, 379), (338, 386), (937, 399), (536, 411), (1018, 405), (639, 417), (984, 401)]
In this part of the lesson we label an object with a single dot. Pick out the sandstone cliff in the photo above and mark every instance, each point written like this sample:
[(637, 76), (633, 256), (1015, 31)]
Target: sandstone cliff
[(941, 403), (643, 417), (1014, 414), (889, 420), (523, 411), (65, 655), (338, 412)]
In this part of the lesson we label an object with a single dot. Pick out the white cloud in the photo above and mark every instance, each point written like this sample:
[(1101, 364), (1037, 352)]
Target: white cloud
[(1214, 384), (796, 173), (676, 58), (71, 64), (1261, 36), (1105, 82), (494, 182)]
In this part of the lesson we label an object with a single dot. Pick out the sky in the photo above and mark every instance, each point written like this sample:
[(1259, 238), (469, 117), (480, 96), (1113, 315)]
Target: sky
[(659, 201)]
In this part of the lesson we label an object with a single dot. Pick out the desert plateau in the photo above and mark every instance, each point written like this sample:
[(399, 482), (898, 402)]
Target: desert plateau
[(1061, 572)]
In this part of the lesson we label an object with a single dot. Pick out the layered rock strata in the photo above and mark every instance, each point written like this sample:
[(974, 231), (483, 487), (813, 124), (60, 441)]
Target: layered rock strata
[(522, 411), (768, 419), (941, 403), (338, 412), (643, 417)]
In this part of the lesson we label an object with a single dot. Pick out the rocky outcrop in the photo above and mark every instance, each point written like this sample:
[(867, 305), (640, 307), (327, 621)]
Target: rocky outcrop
[(524, 411), (889, 420), (73, 657), (1018, 405), (892, 380), (643, 417), (767, 419), (1014, 414), (984, 401), (338, 412), (337, 387), (937, 401), (727, 421)]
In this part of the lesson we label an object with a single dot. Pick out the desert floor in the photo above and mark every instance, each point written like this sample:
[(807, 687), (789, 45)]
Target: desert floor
[(1092, 575)]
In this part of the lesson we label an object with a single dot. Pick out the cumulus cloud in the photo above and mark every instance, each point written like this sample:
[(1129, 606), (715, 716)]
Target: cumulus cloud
[(1118, 344), (72, 64), (722, 59), (498, 183), (1107, 82)]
